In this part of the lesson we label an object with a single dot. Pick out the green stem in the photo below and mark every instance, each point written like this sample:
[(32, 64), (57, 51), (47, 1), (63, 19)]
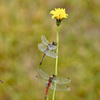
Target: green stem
[(47, 97), (57, 50), (56, 59)]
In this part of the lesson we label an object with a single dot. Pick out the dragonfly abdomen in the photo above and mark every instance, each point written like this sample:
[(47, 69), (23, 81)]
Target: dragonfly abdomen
[(1, 81), (42, 58), (47, 91), (44, 55)]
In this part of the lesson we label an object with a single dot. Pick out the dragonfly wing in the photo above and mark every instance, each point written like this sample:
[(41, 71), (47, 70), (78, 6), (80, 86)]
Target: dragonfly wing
[(51, 54), (52, 47), (42, 47), (62, 80), (44, 40), (59, 87), (43, 74), (42, 80)]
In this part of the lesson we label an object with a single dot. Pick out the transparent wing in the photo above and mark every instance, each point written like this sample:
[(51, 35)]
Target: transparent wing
[(61, 80), (59, 87), (43, 81), (43, 74), (52, 47), (42, 47), (44, 40), (51, 54)]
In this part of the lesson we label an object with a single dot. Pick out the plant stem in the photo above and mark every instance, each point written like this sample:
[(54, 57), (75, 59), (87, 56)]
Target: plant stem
[(57, 50), (47, 97), (56, 59)]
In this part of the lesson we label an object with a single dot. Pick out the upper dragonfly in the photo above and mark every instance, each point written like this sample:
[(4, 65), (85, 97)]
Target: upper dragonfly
[(60, 82), (47, 47)]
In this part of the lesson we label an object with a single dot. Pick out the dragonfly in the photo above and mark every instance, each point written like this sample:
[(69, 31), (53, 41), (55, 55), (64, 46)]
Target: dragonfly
[(59, 84), (47, 47), (1, 81)]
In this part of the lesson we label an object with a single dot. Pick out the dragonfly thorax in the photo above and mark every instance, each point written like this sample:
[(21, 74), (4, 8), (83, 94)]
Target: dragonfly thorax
[(51, 78), (49, 45)]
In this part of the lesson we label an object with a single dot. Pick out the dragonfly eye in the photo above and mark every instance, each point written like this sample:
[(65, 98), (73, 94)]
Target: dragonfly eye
[(54, 75), (68, 78)]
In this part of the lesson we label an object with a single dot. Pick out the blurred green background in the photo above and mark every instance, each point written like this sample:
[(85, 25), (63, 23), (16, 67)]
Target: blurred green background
[(22, 22)]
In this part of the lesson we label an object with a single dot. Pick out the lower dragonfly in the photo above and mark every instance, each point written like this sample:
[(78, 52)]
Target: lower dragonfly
[(1, 81), (47, 47), (59, 84)]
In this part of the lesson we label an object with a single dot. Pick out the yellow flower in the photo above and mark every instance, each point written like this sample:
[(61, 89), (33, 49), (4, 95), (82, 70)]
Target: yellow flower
[(59, 14)]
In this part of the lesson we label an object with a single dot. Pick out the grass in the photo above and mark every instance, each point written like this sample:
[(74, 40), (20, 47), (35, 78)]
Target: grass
[(23, 22)]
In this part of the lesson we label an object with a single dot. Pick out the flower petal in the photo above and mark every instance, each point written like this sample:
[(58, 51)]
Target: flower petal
[(59, 13)]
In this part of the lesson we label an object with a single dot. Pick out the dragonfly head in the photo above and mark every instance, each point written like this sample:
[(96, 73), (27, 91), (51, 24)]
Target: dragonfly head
[(54, 75), (54, 43)]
